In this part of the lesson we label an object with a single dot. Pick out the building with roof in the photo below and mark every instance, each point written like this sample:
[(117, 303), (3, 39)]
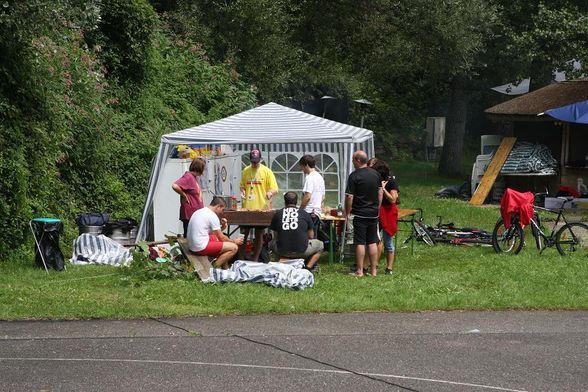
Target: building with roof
[(526, 117)]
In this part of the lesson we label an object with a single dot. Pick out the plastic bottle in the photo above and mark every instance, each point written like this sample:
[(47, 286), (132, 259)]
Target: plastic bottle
[(339, 210)]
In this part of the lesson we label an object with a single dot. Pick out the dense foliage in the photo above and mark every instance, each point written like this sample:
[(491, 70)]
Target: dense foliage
[(81, 116), (87, 87)]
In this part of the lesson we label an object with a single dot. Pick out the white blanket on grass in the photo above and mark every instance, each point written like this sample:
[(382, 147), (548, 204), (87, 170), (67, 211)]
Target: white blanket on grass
[(92, 249), (289, 274)]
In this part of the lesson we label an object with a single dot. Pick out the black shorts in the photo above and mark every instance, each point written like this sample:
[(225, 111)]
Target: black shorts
[(365, 231)]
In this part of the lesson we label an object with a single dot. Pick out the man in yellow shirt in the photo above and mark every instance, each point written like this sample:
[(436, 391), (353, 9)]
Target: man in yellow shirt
[(258, 186)]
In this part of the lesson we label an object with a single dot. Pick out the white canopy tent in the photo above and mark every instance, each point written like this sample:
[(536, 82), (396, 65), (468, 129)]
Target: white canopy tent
[(270, 127)]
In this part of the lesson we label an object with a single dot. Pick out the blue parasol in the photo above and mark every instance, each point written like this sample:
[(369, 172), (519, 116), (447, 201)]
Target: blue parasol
[(575, 113)]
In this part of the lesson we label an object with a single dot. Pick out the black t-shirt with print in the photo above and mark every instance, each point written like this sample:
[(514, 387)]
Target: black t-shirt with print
[(292, 225)]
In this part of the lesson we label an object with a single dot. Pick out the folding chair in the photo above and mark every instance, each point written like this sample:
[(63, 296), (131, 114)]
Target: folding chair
[(46, 235)]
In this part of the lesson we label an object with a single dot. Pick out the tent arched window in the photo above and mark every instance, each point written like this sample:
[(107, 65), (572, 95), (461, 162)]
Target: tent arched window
[(327, 166), (288, 176)]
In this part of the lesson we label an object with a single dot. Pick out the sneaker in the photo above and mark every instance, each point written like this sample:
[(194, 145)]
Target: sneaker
[(388, 272)]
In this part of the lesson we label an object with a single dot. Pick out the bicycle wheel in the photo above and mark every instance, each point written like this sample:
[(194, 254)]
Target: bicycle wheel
[(509, 240), (572, 238), (422, 233)]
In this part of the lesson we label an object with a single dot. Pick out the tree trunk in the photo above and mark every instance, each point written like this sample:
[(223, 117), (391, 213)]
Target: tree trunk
[(450, 163)]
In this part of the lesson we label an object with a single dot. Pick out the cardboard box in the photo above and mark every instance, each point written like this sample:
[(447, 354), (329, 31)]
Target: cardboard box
[(553, 203)]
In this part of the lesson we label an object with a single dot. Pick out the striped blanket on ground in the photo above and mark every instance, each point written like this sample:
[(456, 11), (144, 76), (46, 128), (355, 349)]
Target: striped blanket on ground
[(289, 274), (92, 249)]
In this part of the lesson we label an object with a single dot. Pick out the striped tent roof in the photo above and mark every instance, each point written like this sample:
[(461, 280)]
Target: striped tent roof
[(271, 123)]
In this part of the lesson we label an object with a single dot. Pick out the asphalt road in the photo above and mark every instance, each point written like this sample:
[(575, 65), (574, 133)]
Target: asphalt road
[(433, 351)]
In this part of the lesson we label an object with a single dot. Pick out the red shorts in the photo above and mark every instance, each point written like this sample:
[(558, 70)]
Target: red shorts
[(213, 248)]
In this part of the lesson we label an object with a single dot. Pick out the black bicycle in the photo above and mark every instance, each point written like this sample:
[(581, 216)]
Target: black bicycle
[(572, 237)]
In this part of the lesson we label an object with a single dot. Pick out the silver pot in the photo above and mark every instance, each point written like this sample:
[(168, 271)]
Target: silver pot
[(125, 239), (94, 230)]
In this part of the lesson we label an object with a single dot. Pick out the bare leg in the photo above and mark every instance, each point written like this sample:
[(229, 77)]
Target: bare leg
[(359, 257), (257, 243), (373, 256), (227, 252), (242, 253), (313, 259), (390, 260)]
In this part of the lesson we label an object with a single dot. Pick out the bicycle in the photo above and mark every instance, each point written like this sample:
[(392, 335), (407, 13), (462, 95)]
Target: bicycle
[(448, 233), (571, 237), (419, 231)]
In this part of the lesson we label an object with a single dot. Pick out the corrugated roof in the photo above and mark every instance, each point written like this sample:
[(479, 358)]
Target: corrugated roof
[(549, 97), (270, 123)]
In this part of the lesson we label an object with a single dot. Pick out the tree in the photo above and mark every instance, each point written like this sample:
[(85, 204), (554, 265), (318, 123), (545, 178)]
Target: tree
[(524, 39), (450, 38)]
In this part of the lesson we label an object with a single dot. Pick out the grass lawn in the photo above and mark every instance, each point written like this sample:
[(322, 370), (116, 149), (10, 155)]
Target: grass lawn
[(443, 277)]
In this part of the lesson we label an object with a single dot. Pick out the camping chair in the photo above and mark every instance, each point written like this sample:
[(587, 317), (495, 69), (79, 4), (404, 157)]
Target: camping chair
[(46, 235)]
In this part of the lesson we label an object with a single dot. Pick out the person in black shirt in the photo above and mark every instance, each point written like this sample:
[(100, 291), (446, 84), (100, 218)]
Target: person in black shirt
[(363, 197), (293, 233), (388, 212)]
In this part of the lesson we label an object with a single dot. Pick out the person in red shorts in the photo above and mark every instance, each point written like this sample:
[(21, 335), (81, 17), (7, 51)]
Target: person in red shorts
[(205, 236)]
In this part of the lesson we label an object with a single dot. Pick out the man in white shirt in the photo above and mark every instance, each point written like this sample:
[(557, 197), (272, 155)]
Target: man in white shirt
[(205, 236), (313, 191)]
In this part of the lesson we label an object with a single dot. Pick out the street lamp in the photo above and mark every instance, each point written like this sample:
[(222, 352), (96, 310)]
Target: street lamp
[(363, 104)]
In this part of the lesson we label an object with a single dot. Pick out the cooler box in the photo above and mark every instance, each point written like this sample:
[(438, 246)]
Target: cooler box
[(553, 203)]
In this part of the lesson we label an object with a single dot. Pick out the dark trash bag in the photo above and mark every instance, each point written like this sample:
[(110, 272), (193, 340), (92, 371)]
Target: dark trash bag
[(455, 191), (92, 219), (124, 224), (47, 234)]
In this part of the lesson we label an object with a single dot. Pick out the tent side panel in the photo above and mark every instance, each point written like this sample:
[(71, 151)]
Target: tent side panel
[(156, 167)]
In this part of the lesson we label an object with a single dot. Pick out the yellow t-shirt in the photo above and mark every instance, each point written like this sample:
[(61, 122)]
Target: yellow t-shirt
[(257, 182)]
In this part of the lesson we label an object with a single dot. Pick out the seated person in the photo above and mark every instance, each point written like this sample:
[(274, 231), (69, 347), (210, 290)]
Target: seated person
[(293, 233), (205, 236)]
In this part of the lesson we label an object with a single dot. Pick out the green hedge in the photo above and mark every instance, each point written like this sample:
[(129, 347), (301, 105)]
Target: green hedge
[(77, 133)]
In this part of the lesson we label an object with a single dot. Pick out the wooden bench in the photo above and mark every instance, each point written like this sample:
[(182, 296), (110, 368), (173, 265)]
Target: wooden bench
[(200, 263)]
